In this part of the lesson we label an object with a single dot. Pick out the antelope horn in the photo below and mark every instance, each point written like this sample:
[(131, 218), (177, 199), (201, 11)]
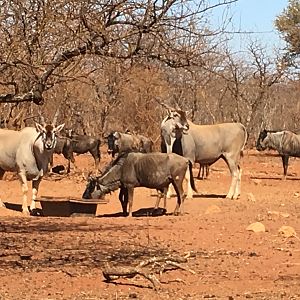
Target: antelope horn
[(168, 107), (164, 104), (42, 120), (55, 117), (178, 107)]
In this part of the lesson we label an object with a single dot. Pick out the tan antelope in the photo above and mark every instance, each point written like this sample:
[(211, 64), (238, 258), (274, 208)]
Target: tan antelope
[(205, 144), (27, 152)]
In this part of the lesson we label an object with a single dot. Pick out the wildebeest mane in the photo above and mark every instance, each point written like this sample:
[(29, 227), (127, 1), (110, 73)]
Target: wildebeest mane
[(119, 160), (109, 180)]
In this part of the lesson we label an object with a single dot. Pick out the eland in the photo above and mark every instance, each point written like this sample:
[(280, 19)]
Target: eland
[(206, 144), (28, 153)]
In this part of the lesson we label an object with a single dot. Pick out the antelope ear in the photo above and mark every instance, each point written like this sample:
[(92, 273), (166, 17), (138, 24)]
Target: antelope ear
[(58, 128), (188, 113), (117, 134), (169, 112), (105, 135), (39, 128)]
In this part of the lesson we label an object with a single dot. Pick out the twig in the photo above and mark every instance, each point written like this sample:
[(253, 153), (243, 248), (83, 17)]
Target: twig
[(172, 263), (162, 259)]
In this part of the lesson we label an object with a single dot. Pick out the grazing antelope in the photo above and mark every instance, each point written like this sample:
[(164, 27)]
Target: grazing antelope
[(151, 170), (205, 144), (28, 153)]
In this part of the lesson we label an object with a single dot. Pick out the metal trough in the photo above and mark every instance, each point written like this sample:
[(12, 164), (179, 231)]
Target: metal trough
[(66, 207)]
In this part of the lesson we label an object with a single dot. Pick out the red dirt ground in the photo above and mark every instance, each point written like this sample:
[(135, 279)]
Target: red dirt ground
[(63, 258)]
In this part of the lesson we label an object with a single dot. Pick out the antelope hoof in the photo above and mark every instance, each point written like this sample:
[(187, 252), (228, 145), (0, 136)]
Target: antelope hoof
[(32, 207), (176, 213), (235, 197), (26, 213), (229, 196)]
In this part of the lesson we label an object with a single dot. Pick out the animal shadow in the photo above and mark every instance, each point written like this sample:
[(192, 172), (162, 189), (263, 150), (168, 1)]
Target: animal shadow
[(209, 196), (149, 212), (143, 212)]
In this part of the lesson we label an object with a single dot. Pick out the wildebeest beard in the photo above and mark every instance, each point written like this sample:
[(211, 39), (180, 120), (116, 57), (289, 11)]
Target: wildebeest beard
[(108, 182)]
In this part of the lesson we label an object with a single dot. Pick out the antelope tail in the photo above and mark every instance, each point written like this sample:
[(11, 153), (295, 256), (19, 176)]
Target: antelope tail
[(192, 177), (246, 139)]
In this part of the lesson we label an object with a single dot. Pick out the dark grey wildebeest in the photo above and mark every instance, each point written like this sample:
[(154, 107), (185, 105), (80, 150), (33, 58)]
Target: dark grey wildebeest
[(151, 170), (64, 146), (122, 142), (27, 152), (205, 144), (286, 142), (83, 143)]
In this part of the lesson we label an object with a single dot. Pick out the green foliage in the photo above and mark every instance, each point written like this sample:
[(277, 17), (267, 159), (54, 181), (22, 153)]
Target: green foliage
[(288, 24)]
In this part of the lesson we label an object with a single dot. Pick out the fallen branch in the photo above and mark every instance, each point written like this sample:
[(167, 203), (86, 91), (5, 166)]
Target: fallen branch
[(112, 273)]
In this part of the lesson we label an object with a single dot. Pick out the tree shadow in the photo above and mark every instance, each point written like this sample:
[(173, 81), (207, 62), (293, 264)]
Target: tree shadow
[(274, 178), (129, 284)]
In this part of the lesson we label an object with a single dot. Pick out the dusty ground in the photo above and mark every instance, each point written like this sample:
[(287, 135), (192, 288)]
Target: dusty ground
[(63, 258)]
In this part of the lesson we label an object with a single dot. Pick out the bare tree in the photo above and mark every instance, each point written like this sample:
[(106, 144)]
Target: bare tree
[(44, 41)]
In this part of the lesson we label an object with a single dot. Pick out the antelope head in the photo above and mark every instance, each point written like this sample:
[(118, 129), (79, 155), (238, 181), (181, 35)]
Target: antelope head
[(48, 134)]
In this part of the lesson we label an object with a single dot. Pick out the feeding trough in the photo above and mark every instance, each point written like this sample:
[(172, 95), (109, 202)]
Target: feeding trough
[(66, 207)]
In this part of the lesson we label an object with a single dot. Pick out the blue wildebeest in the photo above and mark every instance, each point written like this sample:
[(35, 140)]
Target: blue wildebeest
[(151, 170), (83, 143), (286, 142), (27, 152), (122, 142), (205, 144), (64, 146)]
